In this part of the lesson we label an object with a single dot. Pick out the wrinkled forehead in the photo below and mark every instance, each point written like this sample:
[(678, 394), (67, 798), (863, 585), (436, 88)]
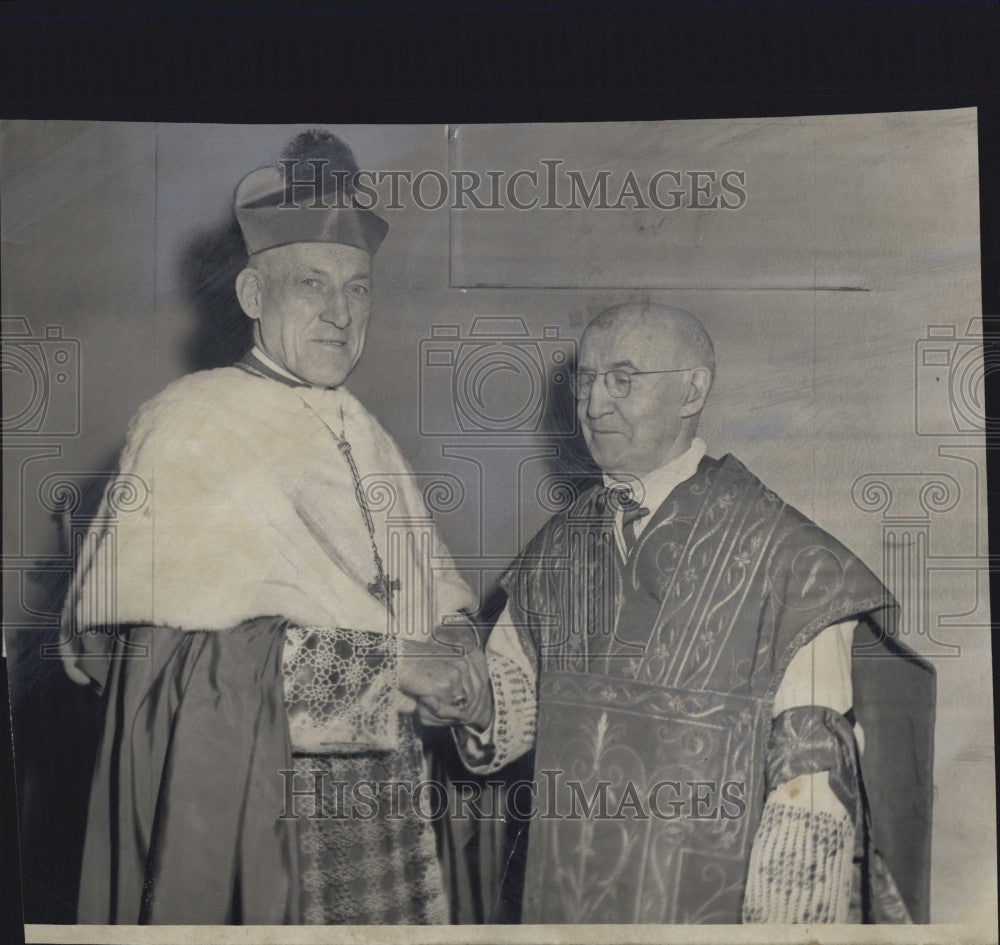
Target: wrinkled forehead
[(646, 346)]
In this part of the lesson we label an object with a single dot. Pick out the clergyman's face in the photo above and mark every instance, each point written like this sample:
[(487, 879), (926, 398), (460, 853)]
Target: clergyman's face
[(315, 300), (638, 433)]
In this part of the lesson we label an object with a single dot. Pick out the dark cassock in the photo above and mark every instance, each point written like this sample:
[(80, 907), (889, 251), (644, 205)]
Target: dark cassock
[(684, 673), (241, 618)]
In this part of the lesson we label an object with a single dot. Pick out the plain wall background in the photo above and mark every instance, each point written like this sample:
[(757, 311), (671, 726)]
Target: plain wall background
[(858, 233)]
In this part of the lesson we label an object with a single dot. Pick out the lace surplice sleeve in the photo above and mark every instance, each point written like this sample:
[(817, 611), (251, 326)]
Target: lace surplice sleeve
[(801, 864), (513, 675)]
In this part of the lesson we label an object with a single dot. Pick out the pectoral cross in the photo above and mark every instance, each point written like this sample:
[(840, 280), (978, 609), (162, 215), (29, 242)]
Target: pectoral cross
[(383, 589)]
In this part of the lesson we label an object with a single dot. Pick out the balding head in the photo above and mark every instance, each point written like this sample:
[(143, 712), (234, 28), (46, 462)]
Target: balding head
[(671, 330), (670, 363)]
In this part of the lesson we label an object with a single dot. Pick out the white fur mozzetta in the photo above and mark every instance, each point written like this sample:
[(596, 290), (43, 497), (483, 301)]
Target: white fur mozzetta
[(251, 512)]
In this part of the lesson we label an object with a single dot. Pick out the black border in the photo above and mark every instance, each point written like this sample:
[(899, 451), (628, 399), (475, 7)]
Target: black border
[(436, 61)]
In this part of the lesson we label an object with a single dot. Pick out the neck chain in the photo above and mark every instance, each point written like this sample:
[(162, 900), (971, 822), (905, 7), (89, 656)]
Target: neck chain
[(382, 587)]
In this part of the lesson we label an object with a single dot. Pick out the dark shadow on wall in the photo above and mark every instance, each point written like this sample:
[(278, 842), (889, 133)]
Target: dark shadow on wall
[(57, 723), (211, 261), (561, 429)]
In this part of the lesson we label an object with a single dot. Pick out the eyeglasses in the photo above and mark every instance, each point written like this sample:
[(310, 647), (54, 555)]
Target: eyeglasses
[(618, 381)]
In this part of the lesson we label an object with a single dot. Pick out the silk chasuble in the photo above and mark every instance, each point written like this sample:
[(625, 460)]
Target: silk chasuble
[(656, 676)]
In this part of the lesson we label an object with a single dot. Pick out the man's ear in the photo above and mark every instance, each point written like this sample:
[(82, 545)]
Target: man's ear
[(249, 290), (697, 392)]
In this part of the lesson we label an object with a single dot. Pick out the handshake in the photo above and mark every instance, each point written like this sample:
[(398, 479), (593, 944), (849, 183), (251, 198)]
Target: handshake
[(446, 680)]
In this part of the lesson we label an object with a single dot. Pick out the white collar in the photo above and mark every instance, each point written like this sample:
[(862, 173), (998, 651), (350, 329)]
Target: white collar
[(264, 357), (653, 488)]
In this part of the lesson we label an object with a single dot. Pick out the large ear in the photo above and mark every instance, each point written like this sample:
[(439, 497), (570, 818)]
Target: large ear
[(249, 290), (697, 392)]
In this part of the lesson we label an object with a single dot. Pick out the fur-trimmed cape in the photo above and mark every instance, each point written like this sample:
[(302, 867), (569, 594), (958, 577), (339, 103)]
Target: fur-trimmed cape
[(246, 507)]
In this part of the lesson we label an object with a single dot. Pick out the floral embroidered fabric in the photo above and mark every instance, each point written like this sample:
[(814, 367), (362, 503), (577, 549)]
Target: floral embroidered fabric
[(810, 739)]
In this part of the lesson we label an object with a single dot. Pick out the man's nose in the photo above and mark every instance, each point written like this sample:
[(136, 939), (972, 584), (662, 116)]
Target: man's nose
[(337, 310), (599, 402)]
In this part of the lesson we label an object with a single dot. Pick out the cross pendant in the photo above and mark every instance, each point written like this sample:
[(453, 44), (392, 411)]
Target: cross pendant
[(384, 589)]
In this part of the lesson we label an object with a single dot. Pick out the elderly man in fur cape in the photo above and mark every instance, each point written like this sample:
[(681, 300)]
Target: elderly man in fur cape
[(265, 662), (677, 647)]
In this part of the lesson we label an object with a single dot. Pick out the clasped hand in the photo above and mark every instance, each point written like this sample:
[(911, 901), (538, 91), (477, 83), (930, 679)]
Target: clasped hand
[(447, 679)]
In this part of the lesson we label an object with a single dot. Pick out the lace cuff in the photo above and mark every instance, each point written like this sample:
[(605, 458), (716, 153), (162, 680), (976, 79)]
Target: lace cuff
[(801, 866), (512, 731), (818, 748)]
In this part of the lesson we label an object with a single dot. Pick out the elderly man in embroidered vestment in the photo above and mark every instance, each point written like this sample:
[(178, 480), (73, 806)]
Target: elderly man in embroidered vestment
[(676, 646)]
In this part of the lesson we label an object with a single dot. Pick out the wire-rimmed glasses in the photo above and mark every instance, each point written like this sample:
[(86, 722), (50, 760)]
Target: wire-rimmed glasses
[(618, 381)]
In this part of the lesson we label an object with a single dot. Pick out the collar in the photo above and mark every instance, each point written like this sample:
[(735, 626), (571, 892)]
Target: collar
[(653, 488), (256, 361), (261, 355)]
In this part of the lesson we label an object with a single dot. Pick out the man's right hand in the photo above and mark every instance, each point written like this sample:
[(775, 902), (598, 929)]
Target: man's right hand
[(446, 685), (432, 674), (477, 712)]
